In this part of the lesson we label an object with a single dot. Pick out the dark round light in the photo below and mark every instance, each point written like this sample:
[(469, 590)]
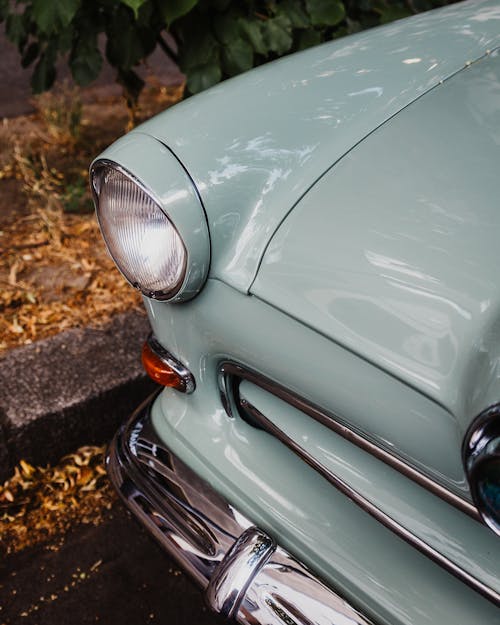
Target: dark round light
[(482, 465), (488, 486)]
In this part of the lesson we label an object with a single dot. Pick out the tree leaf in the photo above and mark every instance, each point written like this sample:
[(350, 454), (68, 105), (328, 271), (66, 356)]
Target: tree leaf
[(15, 29), (173, 9), (200, 49), (237, 57), (308, 38), (389, 14), (65, 39), (277, 34), (353, 26), (293, 9), (4, 9), (135, 5), (325, 12), (51, 17), (203, 77), (30, 54), (124, 47), (132, 84), (226, 28), (148, 38), (220, 5), (85, 62), (252, 30), (147, 16), (45, 72)]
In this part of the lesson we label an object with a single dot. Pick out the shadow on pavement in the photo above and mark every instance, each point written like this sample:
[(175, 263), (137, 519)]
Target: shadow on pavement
[(113, 574)]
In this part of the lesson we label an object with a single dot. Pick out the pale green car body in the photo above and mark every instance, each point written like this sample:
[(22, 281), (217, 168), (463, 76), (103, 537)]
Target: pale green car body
[(352, 199)]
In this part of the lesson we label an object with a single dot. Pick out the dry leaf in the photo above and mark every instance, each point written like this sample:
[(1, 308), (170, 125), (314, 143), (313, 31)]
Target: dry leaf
[(42, 503)]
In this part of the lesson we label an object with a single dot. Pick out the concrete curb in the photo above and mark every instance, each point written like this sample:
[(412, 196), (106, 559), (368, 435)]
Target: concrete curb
[(69, 390)]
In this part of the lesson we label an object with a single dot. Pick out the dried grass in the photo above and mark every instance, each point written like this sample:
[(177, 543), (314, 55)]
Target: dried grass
[(54, 271), (55, 274), (61, 110)]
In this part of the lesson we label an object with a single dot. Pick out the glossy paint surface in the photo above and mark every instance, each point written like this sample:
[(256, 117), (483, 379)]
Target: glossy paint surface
[(253, 145), (375, 569), (403, 268)]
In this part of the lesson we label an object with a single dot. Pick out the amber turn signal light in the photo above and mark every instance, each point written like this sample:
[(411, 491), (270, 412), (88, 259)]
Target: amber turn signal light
[(163, 369)]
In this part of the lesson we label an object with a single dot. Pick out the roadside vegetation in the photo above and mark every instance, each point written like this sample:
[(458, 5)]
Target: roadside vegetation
[(54, 270)]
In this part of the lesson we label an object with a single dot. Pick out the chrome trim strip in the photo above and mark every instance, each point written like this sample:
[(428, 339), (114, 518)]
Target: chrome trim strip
[(172, 362), (245, 574), (333, 422), (481, 458), (365, 504)]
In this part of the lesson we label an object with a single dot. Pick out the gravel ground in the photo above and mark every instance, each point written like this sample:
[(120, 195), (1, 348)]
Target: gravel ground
[(112, 573)]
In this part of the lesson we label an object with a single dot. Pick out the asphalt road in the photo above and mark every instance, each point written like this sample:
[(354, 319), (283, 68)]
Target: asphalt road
[(112, 574)]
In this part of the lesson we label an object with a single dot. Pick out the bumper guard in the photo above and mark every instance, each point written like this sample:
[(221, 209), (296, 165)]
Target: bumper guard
[(244, 573)]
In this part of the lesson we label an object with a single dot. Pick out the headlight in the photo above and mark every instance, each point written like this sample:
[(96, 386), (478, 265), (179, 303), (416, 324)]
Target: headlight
[(154, 237), (481, 454), (140, 237)]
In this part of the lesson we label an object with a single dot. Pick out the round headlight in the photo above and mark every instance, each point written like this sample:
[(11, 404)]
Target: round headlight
[(151, 218), (481, 453), (142, 240)]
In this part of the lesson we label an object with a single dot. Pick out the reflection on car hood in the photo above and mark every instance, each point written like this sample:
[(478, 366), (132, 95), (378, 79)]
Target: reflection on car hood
[(394, 253), (253, 145)]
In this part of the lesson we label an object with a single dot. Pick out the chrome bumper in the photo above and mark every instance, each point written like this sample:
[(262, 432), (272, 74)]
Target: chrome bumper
[(245, 574)]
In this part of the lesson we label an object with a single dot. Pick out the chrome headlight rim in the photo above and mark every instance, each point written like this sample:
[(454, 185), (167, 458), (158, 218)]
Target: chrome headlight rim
[(159, 295), (157, 171)]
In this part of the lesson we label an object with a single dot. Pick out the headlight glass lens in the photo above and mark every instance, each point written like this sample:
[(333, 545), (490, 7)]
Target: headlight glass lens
[(141, 239)]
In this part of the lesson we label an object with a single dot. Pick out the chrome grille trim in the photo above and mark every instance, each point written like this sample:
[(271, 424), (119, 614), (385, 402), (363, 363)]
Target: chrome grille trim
[(228, 386), (230, 371)]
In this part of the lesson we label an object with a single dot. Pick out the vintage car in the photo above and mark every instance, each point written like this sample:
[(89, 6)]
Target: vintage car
[(317, 243)]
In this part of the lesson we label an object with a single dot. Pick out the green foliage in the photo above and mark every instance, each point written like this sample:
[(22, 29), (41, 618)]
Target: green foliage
[(173, 9), (53, 17), (214, 39), (325, 12)]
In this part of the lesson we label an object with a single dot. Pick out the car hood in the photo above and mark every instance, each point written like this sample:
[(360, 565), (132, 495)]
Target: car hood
[(394, 253), (255, 144)]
